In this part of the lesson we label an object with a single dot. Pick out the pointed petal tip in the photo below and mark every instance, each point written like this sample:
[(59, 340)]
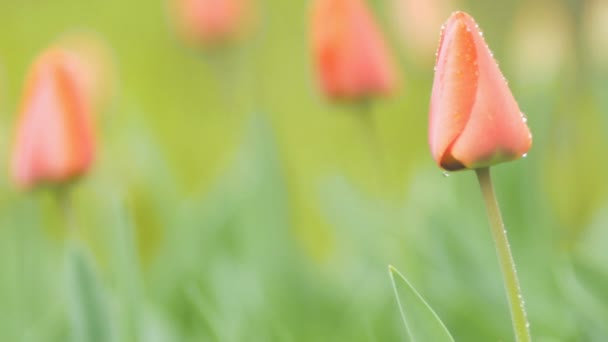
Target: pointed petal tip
[(459, 15), (462, 18)]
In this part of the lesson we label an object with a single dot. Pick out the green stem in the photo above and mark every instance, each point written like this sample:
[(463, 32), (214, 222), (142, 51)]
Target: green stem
[(366, 117), (507, 265), (64, 199), (370, 130)]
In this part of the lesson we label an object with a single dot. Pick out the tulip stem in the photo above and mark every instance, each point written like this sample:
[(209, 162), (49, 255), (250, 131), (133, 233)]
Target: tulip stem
[(507, 265), (64, 199), (366, 117)]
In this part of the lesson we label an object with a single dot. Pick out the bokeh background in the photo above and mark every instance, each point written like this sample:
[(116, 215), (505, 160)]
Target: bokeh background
[(231, 202)]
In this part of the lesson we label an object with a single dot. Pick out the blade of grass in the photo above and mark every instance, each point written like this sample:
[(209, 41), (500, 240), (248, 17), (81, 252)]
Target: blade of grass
[(89, 316), (421, 322)]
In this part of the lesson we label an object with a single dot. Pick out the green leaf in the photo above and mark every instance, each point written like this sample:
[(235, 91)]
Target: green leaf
[(421, 322), (89, 316)]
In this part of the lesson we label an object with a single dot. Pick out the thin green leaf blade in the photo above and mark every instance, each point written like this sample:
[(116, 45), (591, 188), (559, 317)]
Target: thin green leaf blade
[(421, 322), (90, 319)]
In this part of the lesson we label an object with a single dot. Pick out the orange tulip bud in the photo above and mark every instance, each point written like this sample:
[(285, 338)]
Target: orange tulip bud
[(474, 119), (352, 60), (54, 139), (211, 22)]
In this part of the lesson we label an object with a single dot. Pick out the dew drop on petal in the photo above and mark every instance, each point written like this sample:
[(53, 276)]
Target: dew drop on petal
[(446, 174)]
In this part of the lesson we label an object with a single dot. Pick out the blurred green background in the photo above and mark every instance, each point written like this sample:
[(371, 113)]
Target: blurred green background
[(231, 202)]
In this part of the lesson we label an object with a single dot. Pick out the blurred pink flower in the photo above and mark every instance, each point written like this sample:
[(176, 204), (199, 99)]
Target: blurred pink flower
[(211, 22), (350, 56), (54, 138), (595, 22), (540, 42)]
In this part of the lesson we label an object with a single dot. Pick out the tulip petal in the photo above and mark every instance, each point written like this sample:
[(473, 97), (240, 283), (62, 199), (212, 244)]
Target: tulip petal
[(454, 91), (496, 131)]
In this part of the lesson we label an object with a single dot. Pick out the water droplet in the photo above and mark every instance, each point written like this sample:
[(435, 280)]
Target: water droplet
[(524, 118), (446, 174), (524, 155), (480, 34)]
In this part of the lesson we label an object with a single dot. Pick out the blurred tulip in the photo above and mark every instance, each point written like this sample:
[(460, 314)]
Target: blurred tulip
[(211, 22), (416, 21), (97, 70), (539, 44), (595, 21), (474, 119), (350, 55), (54, 139)]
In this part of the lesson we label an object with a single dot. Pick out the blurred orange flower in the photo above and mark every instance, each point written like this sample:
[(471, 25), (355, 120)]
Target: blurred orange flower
[(54, 138), (474, 120), (211, 22), (351, 58), (540, 45)]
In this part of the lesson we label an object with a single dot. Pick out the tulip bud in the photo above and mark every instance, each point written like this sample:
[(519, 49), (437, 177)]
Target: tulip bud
[(211, 22), (54, 138), (350, 55), (595, 30), (539, 46), (474, 119)]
